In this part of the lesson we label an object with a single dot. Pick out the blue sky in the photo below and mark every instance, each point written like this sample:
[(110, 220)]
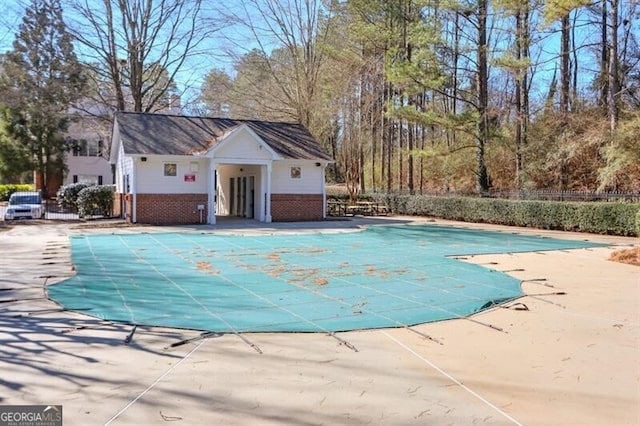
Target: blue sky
[(213, 52), (216, 51)]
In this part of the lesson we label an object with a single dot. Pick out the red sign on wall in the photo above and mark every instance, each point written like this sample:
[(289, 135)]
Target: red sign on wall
[(190, 178)]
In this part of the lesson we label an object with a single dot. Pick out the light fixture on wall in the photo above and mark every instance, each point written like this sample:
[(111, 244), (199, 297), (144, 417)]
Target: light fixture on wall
[(143, 159), (318, 164)]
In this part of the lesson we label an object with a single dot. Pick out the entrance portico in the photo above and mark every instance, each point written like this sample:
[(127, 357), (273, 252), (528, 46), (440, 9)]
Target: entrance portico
[(240, 168), (239, 189)]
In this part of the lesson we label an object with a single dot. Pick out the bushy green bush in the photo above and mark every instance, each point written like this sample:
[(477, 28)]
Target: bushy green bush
[(594, 217), (8, 189), (96, 200), (68, 195)]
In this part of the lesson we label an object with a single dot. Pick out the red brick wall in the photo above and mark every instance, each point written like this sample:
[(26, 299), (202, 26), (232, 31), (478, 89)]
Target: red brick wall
[(54, 182), (296, 207), (164, 209)]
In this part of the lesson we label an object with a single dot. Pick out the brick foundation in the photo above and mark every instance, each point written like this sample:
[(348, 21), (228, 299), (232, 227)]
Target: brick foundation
[(296, 207), (174, 209)]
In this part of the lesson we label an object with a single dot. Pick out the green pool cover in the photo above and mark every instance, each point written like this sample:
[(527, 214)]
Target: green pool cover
[(385, 276)]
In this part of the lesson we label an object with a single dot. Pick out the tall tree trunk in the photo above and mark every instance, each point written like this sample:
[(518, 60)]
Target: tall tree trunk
[(386, 140), (333, 143), (518, 99), (456, 59), (362, 115), (482, 176), (363, 187), (565, 66), (373, 123), (574, 63), (401, 125), (422, 143), (410, 142), (389, 156), (614, 78), (604, 59), (522, 88)]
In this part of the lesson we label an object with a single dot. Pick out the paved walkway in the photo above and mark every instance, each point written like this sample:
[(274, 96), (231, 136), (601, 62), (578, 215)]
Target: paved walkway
[(570, 358)]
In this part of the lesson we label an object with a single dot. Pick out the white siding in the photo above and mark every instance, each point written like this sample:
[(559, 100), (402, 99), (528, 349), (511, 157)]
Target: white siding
[(151, 179), (88, 166), (310, 181), (124, 167), (242, 146)]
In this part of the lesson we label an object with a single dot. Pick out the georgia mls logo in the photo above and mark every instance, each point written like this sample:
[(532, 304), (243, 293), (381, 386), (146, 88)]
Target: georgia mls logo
[(53, 412), (31, 415)]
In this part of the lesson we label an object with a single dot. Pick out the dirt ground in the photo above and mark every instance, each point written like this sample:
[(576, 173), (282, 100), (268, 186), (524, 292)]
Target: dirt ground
[(567, 353)]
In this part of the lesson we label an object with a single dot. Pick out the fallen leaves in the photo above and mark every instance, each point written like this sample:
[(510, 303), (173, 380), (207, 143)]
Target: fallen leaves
[(630, 256)]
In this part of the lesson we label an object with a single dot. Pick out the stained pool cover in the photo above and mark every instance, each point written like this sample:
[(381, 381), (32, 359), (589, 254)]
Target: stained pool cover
[(381, 277)]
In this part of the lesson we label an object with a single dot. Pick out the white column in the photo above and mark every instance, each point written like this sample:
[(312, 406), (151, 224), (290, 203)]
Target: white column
[(212, 192), (267, 217), (324, 191), (134, 191)]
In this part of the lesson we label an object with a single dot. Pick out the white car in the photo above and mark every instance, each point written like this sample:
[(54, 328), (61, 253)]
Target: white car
[(24, 205)]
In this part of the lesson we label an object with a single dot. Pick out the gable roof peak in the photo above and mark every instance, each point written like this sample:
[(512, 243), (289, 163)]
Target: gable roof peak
[(165, 134)]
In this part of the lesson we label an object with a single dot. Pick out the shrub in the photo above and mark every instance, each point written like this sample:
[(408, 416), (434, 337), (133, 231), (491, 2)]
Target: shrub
[(594, 217), (96, 200), (8, 189), (68, 195)]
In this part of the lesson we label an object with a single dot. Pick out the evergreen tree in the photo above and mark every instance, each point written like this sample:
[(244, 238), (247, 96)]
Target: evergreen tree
[(41, 77)]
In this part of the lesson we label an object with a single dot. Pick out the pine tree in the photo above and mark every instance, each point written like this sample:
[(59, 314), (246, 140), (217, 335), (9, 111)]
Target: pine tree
[(41, 77)]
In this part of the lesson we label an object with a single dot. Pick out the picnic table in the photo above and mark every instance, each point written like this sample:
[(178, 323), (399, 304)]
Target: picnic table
[(364, 208), (336, 208)]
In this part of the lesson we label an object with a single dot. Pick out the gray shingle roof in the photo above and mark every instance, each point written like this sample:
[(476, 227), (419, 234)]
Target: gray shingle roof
[(159, 134)]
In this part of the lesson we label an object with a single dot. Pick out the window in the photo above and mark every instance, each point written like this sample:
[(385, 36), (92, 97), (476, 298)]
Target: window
[(84, 148), (93, 149), (170, 169), (296, 172), (80, 149), (88, 179)]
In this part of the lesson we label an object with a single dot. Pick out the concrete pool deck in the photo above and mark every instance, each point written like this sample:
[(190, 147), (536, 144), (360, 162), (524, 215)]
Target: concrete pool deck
[(568, 359)]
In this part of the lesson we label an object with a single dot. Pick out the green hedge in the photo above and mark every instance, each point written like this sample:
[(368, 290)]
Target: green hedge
[(96, 200), (8, 189), (68, 195), (594, 217)]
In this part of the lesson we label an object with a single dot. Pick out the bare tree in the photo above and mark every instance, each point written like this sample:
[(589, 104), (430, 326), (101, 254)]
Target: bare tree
[(614, 77), (40, 77), (296, 30), (139, 46)]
